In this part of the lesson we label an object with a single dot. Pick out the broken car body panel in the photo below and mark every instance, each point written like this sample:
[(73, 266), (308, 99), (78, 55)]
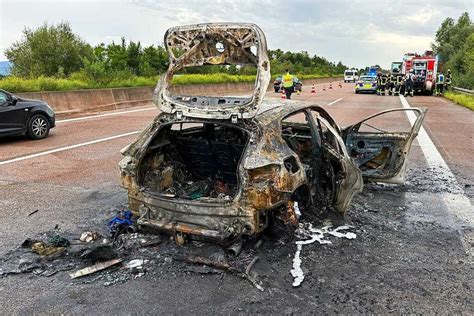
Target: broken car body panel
[(219, 170), (382, 155)]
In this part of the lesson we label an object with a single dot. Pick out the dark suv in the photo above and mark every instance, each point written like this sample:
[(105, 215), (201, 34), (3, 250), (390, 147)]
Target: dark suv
[(19, 116)]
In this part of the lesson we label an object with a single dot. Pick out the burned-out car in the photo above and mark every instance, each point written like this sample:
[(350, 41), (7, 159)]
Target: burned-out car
[(219, 167)]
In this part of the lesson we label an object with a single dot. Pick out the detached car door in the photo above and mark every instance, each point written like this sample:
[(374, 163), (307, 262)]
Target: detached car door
[(380, 144)]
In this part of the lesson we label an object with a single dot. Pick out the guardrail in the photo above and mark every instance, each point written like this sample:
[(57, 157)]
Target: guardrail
[(462, 90)]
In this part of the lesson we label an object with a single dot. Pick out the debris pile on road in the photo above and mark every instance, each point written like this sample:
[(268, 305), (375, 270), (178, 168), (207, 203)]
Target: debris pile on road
[(90, 257)]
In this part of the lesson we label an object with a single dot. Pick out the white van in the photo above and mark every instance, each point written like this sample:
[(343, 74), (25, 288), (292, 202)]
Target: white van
[(350, 75)]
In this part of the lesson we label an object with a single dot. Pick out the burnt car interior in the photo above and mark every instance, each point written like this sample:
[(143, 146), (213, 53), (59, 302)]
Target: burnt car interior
[(194, 161), (317, 149)]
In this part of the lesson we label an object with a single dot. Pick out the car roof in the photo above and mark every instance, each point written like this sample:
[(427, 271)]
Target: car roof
[(275, 110)]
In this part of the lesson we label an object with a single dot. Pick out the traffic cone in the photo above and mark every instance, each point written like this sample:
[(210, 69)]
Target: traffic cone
[(324, 87), (313, 89), (340, 84), (283, 96), (330, 85)]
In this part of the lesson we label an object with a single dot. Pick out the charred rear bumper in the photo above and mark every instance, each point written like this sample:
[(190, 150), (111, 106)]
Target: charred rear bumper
[(217, 221)]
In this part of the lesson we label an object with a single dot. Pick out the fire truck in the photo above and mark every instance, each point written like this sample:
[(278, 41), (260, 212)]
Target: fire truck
[(424, 67)]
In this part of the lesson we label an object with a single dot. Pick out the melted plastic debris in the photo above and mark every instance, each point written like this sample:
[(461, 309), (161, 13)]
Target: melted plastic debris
[(310, 235), (297, 210)]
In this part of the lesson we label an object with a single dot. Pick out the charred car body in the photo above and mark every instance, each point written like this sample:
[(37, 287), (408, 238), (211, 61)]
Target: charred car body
[(224, 167)]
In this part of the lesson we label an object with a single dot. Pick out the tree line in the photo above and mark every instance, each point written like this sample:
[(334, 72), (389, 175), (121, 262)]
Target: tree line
[(454, 45), (56, 51)]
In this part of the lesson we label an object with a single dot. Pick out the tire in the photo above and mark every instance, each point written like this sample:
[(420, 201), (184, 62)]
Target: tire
[(38, 127)]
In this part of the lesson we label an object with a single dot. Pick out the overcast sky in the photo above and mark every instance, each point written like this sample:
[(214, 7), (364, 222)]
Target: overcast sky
[(358, 33)]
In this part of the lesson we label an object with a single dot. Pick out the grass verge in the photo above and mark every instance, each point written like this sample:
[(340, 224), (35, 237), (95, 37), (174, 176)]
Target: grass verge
[(461, 99), (16, 84)]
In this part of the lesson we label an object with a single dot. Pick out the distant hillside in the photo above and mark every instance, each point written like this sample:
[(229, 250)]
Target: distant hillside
[(5, 68)]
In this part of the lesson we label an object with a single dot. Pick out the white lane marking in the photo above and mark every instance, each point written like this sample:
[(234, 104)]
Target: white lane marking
[(457, 203), (52, 151), (331, 103), (104, 115)]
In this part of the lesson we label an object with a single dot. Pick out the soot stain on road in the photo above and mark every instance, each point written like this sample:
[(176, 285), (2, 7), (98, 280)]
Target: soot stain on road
[(398, 262)]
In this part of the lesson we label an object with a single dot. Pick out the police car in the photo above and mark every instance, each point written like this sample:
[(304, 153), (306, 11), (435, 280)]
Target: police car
[(366, 84)]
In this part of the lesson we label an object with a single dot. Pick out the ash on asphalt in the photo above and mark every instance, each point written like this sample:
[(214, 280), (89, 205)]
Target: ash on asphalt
[(405, 259)]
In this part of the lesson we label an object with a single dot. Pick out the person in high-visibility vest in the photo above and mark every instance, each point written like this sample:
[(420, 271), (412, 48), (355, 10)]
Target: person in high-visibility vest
[(447, 82), (409, 81), (398, 84), (379, 82), (440, 82), (288, 84), (383, 84)]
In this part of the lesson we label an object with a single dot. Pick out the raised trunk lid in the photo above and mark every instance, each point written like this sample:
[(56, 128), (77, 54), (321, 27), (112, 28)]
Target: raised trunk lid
[(214, 44)]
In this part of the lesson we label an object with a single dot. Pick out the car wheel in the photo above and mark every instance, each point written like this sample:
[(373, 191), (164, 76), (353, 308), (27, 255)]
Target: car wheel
[(38, 127)]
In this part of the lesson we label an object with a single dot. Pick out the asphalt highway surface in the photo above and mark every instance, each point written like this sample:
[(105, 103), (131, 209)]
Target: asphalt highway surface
[(413, 251)]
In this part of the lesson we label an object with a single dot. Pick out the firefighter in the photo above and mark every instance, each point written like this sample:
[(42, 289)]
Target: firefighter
[(440, 82), (379, 83), (447, 80), (392, 79), (383, 84), (288, 84), (397, 90), (389, 84), (409, 81)]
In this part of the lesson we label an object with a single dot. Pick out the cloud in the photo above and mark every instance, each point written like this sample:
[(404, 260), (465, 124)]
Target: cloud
[(357, 32)]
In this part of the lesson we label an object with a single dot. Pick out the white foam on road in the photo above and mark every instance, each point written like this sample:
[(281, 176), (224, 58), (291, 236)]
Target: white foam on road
[(56, 150), (457, 203), (314, 234), (104, 115)]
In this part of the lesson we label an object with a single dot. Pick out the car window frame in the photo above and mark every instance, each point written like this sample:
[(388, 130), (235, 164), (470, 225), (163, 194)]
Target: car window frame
[(312, 124), (342, 146), (7, 100)]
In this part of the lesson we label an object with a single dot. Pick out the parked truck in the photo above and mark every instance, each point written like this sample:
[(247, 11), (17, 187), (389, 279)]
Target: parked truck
[(425, 68)]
